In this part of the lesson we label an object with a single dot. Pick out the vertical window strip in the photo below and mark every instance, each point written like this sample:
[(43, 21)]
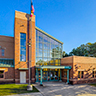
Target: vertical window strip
[(22, 47), (0, 52), (78, 74), (3, 51)]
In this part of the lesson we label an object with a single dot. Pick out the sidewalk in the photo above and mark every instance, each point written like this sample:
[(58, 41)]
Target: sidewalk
[(62, 89), (28, 94)]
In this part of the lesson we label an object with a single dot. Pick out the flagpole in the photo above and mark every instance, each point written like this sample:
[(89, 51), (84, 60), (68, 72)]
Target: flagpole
[(30, 42), (29, 87)]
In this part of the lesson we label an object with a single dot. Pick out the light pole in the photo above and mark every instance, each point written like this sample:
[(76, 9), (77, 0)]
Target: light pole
[(29, 87)]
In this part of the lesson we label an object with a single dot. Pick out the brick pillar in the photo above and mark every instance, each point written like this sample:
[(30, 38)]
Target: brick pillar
[(33, 49), (22, 25)]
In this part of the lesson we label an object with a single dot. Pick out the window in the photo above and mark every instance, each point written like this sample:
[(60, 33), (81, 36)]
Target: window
[(80, 74), (2, 51), (1, 74), (22, 47), (65, 73), (47, 49), (94, 74)]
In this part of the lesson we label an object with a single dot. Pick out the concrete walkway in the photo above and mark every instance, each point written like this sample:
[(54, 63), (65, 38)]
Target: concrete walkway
[(62, 89), (28, 94)]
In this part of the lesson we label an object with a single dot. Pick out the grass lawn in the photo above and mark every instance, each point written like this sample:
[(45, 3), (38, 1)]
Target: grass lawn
[(9, 89), (93, 84)]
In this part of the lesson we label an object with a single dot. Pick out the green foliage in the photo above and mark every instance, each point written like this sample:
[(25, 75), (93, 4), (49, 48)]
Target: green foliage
[(65, 54), (93, 84), (88, 49)]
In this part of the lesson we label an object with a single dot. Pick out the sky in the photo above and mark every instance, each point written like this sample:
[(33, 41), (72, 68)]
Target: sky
[(71, 21)]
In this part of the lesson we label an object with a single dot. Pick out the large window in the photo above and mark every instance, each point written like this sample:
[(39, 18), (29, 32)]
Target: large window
[(48, 50), (80, 74), (22, 47)]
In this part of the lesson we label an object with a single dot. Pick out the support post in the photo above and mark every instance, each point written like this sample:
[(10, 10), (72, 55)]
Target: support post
[(37, 75), (41, 78), (60, 75), (67, 75)]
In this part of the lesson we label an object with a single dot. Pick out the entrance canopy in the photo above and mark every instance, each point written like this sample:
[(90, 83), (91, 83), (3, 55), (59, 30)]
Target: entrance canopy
[(54, 67), (51, 67)]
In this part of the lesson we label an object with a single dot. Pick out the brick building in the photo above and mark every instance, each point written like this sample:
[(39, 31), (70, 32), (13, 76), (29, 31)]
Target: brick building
[(83, 69), (33, 47)]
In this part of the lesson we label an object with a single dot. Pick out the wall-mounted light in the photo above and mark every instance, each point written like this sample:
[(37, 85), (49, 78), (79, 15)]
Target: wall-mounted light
[(21, 25)]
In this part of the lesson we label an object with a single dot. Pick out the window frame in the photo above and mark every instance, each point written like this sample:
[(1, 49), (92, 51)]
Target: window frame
[(94, 74), (81, 75), (65, 73), (3, 51), (21, 55), (47, 45), (3, 74)]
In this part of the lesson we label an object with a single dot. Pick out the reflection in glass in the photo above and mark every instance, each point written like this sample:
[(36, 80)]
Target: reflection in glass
[(48, 50), (22, 47)]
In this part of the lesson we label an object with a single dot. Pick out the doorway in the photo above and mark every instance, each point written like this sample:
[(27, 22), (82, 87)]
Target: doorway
[(22, 77), (50, 76)]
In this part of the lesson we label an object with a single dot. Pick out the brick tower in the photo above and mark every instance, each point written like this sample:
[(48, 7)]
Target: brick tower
[(21, 47)]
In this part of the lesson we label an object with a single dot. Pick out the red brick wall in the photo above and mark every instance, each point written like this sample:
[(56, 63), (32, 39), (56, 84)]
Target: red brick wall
[(67, 61), (80, 63), (9, 75), (86, 64), (7, 43)]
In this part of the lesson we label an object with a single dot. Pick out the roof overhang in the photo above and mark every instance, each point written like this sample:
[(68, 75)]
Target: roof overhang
[(54, 67), (23, 68)]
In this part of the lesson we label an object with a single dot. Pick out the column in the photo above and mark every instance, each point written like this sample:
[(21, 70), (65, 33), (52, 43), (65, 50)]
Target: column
[(67, 75), (60, 75), (41, 78), (37, 77)]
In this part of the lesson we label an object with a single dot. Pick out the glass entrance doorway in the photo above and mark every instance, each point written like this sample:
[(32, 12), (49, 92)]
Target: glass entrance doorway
[(50, 76)]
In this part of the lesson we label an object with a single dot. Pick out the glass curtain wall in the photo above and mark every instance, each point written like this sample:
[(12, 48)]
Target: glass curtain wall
[(48, 50)]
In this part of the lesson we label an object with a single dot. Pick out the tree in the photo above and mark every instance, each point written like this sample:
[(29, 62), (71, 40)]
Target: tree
[(65, 54), (88, 49)]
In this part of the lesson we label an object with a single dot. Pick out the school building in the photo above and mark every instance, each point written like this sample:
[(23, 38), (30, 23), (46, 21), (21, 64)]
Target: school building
[(34, 48)]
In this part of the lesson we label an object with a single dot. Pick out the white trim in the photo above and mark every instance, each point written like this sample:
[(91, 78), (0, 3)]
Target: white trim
[(81, 70), (17, 79), (6, 79), (2, 69), (33, 79)]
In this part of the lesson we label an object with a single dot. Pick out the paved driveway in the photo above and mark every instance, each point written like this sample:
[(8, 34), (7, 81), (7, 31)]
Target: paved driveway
[(62, 89)]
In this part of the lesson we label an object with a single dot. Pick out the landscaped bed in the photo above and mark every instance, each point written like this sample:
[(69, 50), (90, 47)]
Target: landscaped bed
[(93, 84), (9, 89)]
